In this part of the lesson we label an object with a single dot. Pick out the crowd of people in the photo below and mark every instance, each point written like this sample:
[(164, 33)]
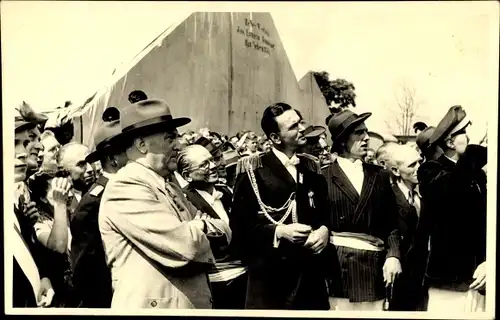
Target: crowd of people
[(151, 218)]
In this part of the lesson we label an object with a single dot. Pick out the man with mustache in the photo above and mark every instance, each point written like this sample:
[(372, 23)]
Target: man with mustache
[(155, 241), (363, 217), (404, 161), (279, 221)]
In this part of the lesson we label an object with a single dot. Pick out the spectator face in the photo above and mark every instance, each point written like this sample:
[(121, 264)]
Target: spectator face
[(162, 149), (370, 156), (21, 141), (357, 141), (50, 148), (407, 164), (202, 167), (459, 142), (234, 140), (252, 145), (82, 173), (97, 169), (291, 128), (34, 148)]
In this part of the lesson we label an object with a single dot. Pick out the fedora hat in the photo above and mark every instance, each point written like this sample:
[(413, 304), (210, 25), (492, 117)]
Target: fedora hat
[(106, 135), (424, 137), (313, 131), (148, 117), (453, 122), (340, 123), (21, 124), (207, 143)]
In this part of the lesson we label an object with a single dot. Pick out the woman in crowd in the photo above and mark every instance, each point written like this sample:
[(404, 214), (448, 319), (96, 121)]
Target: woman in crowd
[(51, 191)]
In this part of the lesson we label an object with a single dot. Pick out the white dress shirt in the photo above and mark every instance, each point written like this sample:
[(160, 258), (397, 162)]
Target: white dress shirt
[(408, 194), (289, 163), (452, 160), (107, 175), (353, 171), (214, 201)]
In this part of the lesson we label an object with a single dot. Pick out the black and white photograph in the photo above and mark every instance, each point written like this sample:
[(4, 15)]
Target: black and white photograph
[(268, 159)]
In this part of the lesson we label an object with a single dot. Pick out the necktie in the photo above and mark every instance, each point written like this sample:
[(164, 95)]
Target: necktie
[(411, 200)]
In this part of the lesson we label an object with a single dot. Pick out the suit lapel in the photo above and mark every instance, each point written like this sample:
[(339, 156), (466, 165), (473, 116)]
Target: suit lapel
[(278, 169), (200, 203), (344, 184), (102, 180), (368, 182)]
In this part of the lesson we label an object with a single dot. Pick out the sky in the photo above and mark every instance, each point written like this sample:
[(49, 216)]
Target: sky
[(447, 52)]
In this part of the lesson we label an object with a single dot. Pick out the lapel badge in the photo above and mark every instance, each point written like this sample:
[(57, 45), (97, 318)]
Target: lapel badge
[(301, 178), (311, 200)]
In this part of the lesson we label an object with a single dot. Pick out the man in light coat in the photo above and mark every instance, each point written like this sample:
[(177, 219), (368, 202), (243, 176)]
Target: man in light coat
[(155, 241)]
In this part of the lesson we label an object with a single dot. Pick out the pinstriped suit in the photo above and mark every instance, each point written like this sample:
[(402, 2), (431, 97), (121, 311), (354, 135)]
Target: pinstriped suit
[(374, 212)]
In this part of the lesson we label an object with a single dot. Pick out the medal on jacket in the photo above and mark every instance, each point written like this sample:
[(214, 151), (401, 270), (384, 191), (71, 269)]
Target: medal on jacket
[(311, 200)]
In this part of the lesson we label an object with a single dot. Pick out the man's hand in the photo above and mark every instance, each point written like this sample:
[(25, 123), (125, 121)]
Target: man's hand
[(60, 190), (480, 277), (45, 294), (31, 212), (318, 240), (391, 269), (295, 232)]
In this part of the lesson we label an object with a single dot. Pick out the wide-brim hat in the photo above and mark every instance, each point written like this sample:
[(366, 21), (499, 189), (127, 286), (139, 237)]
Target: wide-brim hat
[(20, 124), (453, 122), (207, 143), (313, 131), (107, 136), (341, 123), (148, 117)]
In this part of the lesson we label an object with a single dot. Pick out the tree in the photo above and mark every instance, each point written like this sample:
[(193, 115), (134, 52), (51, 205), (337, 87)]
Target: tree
[(338, 93), (405, 112)]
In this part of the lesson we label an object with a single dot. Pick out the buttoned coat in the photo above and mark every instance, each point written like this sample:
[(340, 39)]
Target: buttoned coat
[(289, 276), (374, 212), (157, 257)]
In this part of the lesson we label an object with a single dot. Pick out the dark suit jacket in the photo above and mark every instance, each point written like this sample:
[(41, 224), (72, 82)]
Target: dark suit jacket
[(91, 275), (287, 277), (374, 212), (454, 217), (408, 291), (221, 249)]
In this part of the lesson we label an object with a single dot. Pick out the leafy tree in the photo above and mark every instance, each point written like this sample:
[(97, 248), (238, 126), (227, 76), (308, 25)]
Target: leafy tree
[(338, 93)]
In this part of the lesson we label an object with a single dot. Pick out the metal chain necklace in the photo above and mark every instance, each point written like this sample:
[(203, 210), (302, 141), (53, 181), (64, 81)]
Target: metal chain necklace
[(290, 205)]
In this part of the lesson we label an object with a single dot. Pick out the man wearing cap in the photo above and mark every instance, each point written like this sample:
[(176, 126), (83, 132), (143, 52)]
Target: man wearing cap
[(403, 161), (454, 218), (91, 275), (155, 240), (362, 217), (278, 219), (31, 286)]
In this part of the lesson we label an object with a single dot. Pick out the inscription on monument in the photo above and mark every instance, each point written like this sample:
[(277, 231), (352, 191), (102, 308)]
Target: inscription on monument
[(256, 36)]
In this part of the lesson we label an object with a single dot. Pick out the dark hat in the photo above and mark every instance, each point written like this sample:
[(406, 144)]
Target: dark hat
[(207, 143), (148, 117), (453, 122), (340, 123), (423, 138), (21, 124), (106, 135), (230, 157), (314, 131)]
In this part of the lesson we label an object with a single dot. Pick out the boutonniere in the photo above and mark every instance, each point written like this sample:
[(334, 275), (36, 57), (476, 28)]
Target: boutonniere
[(311, 200), (301, 178)]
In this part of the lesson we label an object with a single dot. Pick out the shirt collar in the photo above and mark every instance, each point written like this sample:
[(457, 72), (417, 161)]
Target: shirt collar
[(107, 175), (453, 160), (348, 162), (283, 158), (406, 191)]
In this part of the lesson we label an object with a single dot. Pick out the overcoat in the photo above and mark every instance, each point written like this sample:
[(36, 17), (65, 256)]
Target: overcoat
[(453, 216), (289, 276), (157, 257)]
